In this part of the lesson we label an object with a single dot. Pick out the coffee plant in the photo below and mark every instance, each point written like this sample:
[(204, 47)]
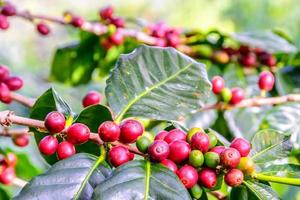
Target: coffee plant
[(184, 115)]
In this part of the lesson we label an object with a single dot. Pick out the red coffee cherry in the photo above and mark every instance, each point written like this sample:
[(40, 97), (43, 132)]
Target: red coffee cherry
[(117, 38), (267, 59), (55, 122), (130, 130), (230, 158), (242, 145), (48, 145), (188, 176), (200, 141), (106, 44), (158, 151), (65, 149), (175, 134), (42, 28), (8, 10), (173, 40), (218, 149), (14, 83), (244, 49), (207, 178), (106, 13), (218, 84), (78, 133), (234, 177), (7, 176), (131, 155), (109, 131), (237, 95), (11, 159), (77, 21), (161, 135), (4, 24), (266, 81), (21, 140), (248, 60), (4, 93), (118, 155), (179, 151), (119, 22), (92, 98), (4, 73), (170, 164)]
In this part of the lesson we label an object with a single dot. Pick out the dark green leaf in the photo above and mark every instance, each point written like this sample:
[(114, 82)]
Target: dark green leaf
[(76, 176), (158, 83), (288, 80), (4, 194), (141, 180), (284, 170), (260, 191), (239, 193)]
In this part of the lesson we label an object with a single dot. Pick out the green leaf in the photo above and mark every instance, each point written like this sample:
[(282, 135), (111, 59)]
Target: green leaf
[(269, 145), (266, 40), (141, 180), (260, 191), (74, 177), (239, 192), (282, 170), (23, 164), (288, 80), (4, 194), (158, 83)]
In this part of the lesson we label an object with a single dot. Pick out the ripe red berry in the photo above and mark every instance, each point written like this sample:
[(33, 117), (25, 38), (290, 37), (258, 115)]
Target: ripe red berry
[(4, 93), (158, 151), (7, 176), (230, 158), (131, 156), (188, 176), (242, 145), (237, 95), (244, 49), (77, 21), (175, 134), (11, 159), (248, 60), (200, 141), (65, 149), (179, 151), (117, 38), (91, 98), (55, 122), (4, 24), (173, 40), (8, 10), (48, 145), (43, 29), (266, 81), (78, 133), (130, 130), (4, 73), (109, 131), (267, 59), (107, 12), (14, 83), (119, 22), (161, 135), (21, 140), (118, 155), (160, 42), (234, 177), (218, 84), (218, 149), (170, 164), (106, 44), (207, 178)]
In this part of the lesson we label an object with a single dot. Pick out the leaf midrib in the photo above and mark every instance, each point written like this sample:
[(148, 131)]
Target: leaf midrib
[(153, 87)]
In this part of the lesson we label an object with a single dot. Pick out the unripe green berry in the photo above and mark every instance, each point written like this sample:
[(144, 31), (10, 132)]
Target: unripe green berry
[(192, 132), (211, 159), (196, 191), (226, 95), (143, 143), (213, 140), (196, 158), (111, 29)]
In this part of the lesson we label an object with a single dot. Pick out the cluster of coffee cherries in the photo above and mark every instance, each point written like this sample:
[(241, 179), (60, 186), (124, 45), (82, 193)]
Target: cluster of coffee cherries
[(8, 83), (7, 168)]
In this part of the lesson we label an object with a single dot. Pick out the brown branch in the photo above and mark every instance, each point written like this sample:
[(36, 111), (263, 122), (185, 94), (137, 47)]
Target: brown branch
[(11, 132), (219, 195), (29, 102)]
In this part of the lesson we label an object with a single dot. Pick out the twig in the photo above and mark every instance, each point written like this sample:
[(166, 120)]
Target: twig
[(219, 195), (29, 102), (19, 182), (11, 132)]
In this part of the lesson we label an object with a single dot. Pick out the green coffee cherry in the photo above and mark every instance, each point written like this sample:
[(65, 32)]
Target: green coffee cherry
[(226, 95), (211, 159), (192, 132), (213, 140), (196, 158), (111, 29), (205, 51), (196, 191), (143, 143)]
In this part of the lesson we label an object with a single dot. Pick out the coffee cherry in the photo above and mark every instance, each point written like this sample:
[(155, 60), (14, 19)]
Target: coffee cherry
[(55, 122), (130, 130), (244, 49), (158, 151), (161, 135), (230, 158), (4, 73), (106, 13), (213, 140), (118, 155), (226, 95), (266, 81), (65, 149), (48, 145), (201, 142), (11, 159), (106, 44), (131, 156), (230, 51), (109, 131), (119, 22), (160, 42), (78, 133), (192, 132), (248, 60), (218, 84), (179, 151), (196, 191), (196, 158), (173, 40), (4, 93), (8, 10), (77, 21), (237, 95), (246, 165), (211, 159), (92, 98), (117, 38), (208, 178), (218, 149), (267, 59), (42, 28), (14, 83), (7, 176), (21, 140), (175, 134), (188, 176), (4, 24), (242, 145), (221, 57), (234, 177), (170, 164), (143, 143)]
